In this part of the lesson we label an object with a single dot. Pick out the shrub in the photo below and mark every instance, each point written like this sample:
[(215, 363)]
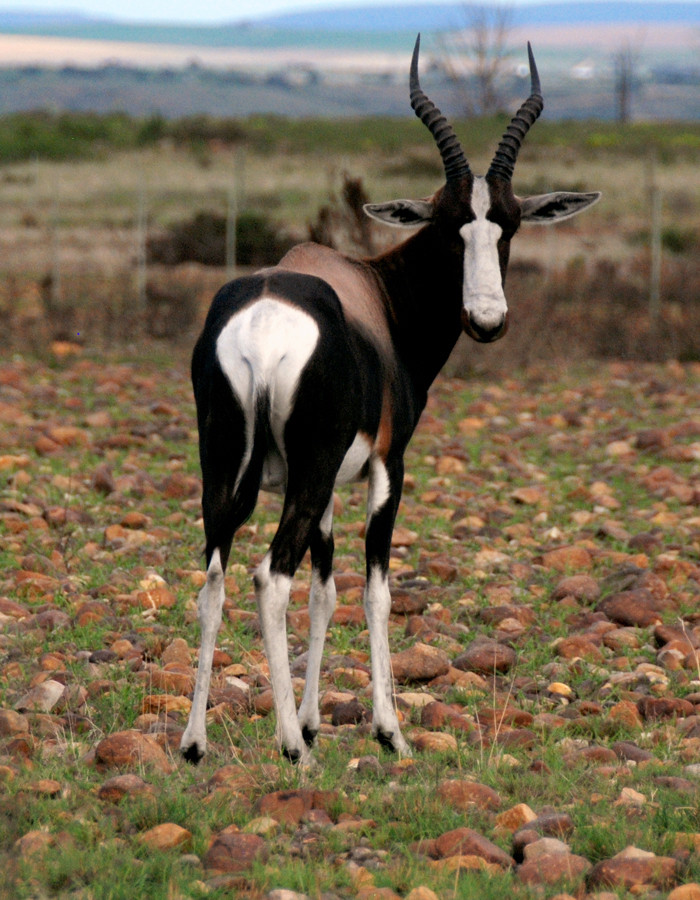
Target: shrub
[(202, 239)]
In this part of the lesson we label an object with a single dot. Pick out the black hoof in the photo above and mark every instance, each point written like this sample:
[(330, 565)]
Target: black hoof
[(308, 735), (191, 754), (386, 741), (292, 755)]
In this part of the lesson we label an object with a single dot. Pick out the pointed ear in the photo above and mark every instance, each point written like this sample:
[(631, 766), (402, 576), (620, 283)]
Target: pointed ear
[(547, 208), (402, 213)]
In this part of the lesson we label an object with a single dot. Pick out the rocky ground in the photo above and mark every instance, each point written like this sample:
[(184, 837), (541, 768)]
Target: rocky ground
[(545, 628)]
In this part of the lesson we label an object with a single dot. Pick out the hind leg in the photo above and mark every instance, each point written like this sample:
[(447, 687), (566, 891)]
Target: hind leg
[(209, 605), (321, 606), (223, 514), (308, 498)]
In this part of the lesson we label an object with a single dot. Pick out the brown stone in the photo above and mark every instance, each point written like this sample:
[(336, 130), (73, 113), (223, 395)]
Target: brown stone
[(582, 587), (114, 789), (654, 708), (597, 754), (408, 603), (135, 520), (102, 480), (466, 842), (658, 871), (159, 597), (41, 698), (45, 787), (421, 662), (442, 569), (622, 639), (33, 843), (515, 737), (233, 851), (578, 646), (351, 712), (166, 837), (689, 891), (486, 657), (625, 713), (636, 607), (13, 610), (130, 749), (567, 559), (497, 718), (348, 615), (466, 794), (424, 893), (291, 806), (664, 634), (178, 651), (515, 818), (551, 822), (435, 742), (629, 750), (553, 868), (13, 723), (180, 681), (438, 715)]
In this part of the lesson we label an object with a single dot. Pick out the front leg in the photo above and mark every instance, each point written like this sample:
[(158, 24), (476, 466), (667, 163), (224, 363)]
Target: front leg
[(386, 481)]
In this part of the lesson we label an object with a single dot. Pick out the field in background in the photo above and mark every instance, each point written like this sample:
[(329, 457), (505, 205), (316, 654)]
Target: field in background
[(72, 232)]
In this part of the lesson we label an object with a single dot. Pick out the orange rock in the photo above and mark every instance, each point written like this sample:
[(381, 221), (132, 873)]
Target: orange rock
[(166, 837), (565, 559), (435, 742), (130, 749), (466, 794), (516, 817), (156, 598)]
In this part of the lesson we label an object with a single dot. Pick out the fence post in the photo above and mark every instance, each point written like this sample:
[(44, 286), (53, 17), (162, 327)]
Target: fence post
[(141, 264), (655, 245), (56, 287), (233, 204)]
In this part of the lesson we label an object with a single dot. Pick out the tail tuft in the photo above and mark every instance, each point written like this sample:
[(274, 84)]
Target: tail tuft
[(248, 488)]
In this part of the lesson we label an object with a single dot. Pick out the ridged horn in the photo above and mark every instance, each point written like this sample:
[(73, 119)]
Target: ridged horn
[(507, 153), (453, 158)]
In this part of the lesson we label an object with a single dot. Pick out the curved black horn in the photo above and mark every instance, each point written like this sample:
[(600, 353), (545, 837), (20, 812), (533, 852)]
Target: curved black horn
[(453, 158), (507, 152)]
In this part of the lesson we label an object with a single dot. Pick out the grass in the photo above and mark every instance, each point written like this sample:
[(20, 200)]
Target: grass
[(90, 836)]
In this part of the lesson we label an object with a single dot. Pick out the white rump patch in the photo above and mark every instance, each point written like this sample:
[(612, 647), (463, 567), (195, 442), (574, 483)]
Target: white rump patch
[(483, 295), (265, 347)]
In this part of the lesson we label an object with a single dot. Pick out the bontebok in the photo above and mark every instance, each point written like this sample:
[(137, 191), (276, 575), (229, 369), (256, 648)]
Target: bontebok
[(314, 373)]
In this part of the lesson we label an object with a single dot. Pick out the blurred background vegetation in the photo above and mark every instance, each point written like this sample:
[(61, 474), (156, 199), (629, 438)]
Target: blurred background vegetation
[(115, 228)]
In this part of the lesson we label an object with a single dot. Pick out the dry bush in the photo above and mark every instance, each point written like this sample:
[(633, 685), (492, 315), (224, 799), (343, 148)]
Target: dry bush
[(202, 239), (593, 312), (342, 223)]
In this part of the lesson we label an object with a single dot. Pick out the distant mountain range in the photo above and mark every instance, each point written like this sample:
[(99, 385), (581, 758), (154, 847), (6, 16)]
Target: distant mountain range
[(365, 19), (429, 17), (343, 62)]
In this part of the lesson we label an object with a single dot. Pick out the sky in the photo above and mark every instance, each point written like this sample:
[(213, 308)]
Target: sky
[(191, 11)]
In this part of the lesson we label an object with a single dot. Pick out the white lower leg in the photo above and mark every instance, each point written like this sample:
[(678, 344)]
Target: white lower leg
[(385, 723), (272, 592), (209, 605), (321, 606)]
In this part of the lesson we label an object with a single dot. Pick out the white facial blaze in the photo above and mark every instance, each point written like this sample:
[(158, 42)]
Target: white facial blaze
[(483, 296)]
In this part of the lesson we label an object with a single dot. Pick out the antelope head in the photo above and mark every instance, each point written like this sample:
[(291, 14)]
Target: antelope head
[(479, 214)]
